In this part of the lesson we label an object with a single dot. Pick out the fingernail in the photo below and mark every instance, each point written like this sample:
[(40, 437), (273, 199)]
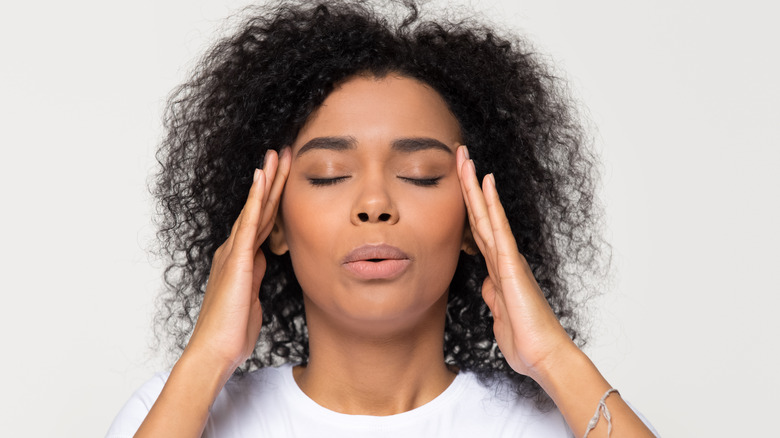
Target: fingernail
[(492, 179), (265, 157), (256, 175), (466, 151)]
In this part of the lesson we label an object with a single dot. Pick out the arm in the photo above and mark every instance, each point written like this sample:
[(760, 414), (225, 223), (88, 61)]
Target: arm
[(526, 329), (230, 318)]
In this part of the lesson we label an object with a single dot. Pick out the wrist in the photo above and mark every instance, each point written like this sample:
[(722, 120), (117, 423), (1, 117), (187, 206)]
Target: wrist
[(565, 370), (208, 359), (183, 406), (208, 371)]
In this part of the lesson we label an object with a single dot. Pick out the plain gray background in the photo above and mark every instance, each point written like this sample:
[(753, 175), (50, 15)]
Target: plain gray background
[(685, 98)]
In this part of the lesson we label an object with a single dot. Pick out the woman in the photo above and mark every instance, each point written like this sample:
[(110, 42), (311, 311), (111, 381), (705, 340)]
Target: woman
[(372, 283)]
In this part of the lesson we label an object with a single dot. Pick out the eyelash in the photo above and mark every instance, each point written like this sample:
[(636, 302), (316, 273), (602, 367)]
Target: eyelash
[(423, 182), (326, 181)]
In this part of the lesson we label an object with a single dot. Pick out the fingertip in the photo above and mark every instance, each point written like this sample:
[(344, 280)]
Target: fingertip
[(259, 178), (256, 175), (462, 158), (267, 157), (493, 188), (488, 181), (472, 167), (287, 156)]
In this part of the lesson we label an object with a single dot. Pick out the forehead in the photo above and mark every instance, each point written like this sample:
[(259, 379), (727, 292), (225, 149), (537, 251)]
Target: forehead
[(381, 109)]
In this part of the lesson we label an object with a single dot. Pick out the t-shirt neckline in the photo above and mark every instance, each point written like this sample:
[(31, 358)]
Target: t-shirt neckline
[(443, 401)]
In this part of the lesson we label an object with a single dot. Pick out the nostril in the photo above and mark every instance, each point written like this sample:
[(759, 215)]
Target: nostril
[(384, 217), (363, 217)]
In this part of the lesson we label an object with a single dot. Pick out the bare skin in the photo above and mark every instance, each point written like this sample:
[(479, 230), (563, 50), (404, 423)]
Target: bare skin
[(230, 318), (527, 331), (379, 163), (374, 350)]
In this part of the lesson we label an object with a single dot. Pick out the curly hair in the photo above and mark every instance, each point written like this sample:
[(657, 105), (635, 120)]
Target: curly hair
[(254, 90)]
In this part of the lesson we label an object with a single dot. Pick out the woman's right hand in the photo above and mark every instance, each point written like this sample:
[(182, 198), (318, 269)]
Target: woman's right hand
[(231, 315)]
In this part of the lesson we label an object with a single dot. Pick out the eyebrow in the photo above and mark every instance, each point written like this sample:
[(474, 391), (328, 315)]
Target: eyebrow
[(329, 143), (419, 144), (407, 145)]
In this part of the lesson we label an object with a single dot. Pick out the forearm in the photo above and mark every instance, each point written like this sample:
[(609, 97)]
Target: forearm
[(576, 386), (182, 408)]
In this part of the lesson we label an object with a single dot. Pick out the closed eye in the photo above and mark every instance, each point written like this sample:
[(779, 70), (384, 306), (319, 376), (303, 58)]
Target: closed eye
[(326, 181), (424, 182)]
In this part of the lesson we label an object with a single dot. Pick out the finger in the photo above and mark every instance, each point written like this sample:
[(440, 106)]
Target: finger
[(479, 220), (258, 272), (231, 237), (472, 220), (269, 169), (274, 195), (270, 163), (489, 294), (244, 236), (502, 231), (478, 217), (239, 219), (462, 158), (514, 268), (466, 174)]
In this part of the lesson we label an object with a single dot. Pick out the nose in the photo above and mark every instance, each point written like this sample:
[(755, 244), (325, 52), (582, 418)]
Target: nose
[(374, 204)]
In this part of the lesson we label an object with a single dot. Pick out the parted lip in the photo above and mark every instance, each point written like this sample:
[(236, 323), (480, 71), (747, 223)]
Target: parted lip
[(375, 252)]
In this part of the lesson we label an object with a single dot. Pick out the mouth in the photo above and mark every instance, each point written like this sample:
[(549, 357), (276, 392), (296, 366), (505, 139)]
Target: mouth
[(376, 262), (375, 254)]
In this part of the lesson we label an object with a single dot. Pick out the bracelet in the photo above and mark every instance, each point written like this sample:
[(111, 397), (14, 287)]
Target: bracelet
[(602, 406)]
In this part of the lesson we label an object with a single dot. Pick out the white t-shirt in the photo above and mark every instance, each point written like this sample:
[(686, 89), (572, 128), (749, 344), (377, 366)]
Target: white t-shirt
[(268, 403)]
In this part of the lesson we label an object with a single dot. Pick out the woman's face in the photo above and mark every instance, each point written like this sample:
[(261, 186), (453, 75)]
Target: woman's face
[(372, 212)]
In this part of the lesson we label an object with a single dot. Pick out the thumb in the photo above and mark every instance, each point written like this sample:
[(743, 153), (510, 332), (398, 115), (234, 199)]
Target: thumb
[(258, 271), (489, 295)]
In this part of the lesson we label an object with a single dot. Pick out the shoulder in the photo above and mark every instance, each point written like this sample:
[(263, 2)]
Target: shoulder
[(132, 414), (240, 396), (499, 405), (495, 406)]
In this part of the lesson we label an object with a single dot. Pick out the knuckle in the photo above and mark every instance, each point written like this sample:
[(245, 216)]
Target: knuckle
[(481, 220)]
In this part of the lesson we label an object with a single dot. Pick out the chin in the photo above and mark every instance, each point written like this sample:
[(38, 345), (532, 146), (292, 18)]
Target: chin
[(374, 316)]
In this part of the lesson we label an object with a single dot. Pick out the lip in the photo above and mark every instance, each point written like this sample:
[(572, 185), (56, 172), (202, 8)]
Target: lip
[(376, 262)]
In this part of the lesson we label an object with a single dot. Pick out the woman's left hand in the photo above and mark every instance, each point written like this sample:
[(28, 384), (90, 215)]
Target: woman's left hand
[(526, 329)]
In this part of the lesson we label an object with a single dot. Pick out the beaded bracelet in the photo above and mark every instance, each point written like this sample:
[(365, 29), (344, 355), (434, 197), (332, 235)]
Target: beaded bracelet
[(602, 406)]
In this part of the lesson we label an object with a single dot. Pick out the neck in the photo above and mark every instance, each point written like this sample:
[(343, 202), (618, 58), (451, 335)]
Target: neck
[(375, 373)]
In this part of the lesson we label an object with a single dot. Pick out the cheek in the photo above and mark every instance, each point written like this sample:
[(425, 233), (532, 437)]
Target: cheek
[(304, 213), (304, 218), (440, 226), (443, 213)]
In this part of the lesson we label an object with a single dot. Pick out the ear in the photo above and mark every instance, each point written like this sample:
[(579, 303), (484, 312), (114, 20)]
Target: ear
[(469, 246), (277, 242)]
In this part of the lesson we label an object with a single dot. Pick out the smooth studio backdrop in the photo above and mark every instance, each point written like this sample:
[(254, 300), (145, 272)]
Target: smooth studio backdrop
[(683, 94)]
